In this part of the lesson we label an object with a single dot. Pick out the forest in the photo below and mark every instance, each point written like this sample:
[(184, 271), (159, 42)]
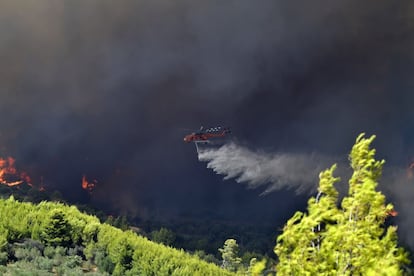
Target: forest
[(348, 236), (54, 238)]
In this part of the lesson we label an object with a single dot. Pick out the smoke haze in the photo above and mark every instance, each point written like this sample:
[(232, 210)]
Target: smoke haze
[(107, 89), (397, 185)]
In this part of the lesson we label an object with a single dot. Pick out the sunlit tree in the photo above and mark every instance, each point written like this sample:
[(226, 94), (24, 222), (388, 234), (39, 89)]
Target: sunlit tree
[(229, 254), (347, 240)]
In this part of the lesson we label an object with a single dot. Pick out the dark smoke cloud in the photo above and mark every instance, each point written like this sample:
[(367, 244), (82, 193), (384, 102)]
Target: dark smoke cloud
[(107, 89)]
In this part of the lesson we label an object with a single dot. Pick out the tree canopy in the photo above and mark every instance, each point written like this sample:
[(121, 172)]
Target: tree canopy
[(346, 239), (229, 254), (51, 238)]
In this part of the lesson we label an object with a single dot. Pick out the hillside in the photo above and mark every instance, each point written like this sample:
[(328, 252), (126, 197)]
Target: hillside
[(49, 237)]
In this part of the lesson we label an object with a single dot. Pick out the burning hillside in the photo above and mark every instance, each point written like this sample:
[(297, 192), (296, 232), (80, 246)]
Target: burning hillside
[(10, 176), (88, 185)]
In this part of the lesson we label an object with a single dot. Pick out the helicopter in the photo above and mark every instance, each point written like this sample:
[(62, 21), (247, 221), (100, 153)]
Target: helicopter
[(204, 135)]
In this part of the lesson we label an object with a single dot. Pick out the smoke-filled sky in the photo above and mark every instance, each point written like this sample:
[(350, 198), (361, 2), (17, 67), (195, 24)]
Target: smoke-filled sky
[(109, 88)]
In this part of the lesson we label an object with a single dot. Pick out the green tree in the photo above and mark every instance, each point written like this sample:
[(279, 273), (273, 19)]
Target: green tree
[(57, 230), (3, 246), (164, 236), (206, 257), (256, 268), (59, 226), (103, 262), (350, 240), (229, 254), (120, 222)]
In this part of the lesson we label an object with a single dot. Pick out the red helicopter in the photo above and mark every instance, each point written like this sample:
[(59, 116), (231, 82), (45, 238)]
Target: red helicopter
[(204, 135)]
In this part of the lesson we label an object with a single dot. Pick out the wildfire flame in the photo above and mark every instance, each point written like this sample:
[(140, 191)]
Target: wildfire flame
[(10, 176), (88, 185), (392, 213)]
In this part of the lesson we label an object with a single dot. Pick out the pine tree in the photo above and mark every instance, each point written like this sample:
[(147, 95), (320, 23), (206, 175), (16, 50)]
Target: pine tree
[(229, 253), (58, 230), (164, 236), (351, 240)]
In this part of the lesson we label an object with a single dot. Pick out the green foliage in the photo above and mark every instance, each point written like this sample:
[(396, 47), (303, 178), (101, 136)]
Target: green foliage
[(208, 235), (248, 256), (3, 258), (3, 246), (57, 231), (164, 236), (229, 254), (257, 268), (120, 222), (27, 254), (70, 235), (29, 260), (206, 257), (351, 240), (103, 261)]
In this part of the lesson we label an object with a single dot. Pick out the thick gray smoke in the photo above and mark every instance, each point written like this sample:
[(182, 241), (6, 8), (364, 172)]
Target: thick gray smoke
[(259, 169)]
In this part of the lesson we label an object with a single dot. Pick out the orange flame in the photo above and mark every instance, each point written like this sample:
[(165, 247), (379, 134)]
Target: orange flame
[(89, 186), (392, 213), (9, 175)]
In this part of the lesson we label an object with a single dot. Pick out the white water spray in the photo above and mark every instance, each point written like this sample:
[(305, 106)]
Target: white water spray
[(260, 169)]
